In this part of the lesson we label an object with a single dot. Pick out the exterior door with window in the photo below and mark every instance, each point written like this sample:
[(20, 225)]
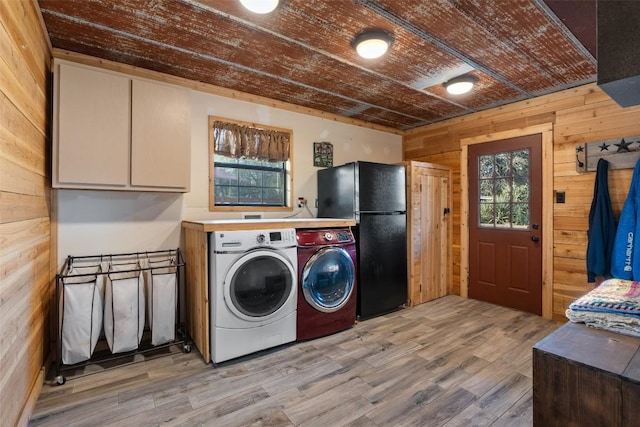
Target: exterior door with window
[(505, 222)]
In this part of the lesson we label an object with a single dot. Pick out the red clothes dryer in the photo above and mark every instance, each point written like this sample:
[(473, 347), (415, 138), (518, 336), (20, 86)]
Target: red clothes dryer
[(327, 282)]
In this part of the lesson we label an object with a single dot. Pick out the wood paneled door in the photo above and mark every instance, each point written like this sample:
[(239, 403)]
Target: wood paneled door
[(505, 222), (430, 227)]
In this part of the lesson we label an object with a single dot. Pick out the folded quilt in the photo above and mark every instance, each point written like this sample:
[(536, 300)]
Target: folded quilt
[(627, 325), (614, 306), (615, 296)]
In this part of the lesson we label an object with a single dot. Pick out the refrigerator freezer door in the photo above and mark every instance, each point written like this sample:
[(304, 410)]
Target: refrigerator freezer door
[(382, 263), (381, 187), (336, 192)]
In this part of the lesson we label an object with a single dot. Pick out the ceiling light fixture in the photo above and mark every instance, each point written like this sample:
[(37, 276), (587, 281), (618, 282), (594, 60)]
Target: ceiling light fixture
[(461, 84), (260, 6), (372, 44)]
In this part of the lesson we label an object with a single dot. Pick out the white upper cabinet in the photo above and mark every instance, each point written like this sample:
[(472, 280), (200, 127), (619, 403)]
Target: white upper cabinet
[(160, 121), (116, 132), (93, 127)]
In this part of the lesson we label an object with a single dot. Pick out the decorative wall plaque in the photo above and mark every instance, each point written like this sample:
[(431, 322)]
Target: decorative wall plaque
[(323, 154), (621, 153)]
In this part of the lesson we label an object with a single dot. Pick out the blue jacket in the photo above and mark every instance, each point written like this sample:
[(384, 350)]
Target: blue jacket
[(625, 259), (602, 227)]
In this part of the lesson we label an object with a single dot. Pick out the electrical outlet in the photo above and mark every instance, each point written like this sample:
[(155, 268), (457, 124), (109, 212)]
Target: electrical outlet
[(302, 202)]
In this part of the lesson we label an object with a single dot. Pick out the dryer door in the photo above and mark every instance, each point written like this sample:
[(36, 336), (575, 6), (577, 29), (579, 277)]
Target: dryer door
[(328, 279), (258, 284)]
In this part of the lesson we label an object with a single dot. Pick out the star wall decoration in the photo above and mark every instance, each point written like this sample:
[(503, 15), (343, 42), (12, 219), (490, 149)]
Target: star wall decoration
[(604, 147), (623, 146)]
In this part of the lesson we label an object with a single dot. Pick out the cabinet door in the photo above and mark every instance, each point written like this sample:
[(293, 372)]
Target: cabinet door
[(93, 113), (160, 136)]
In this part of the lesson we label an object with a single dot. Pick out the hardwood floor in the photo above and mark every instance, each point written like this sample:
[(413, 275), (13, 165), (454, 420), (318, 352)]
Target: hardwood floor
[(448, 362)]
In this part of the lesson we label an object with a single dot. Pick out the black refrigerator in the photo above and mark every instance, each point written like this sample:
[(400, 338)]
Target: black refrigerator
[(373, 194)]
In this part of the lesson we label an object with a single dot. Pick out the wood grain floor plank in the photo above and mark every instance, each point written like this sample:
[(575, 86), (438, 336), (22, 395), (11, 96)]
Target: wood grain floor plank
[(459, 371), (158, 415), (519, 415), (441, 410), (221, 388), (304, 375), (265, 412), (505, 395), (333, 379), (363, 421), (344, 412), (390, 352), (323, 409), (487, 378), (237, 401), (472, 415), (62, 413), (193, 384), (397, 407), (451, 361), (412, 329), (124, 411), (404, 366), (399, 387)]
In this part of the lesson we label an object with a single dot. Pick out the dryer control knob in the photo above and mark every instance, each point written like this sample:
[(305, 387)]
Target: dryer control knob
[(328, 237), (260, 238)]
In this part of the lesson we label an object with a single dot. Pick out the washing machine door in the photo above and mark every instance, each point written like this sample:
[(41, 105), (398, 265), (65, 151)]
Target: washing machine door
[(328, 279), (258, 285)]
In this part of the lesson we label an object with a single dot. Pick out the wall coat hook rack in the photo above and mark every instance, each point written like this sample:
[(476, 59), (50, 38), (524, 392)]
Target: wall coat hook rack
[(621, 153)]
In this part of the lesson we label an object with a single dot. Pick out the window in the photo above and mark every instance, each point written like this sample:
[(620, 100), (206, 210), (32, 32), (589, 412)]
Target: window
[(504, 189), (250, 166)]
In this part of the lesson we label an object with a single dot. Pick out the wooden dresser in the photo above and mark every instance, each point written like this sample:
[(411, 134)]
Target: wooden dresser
[(586, 377)]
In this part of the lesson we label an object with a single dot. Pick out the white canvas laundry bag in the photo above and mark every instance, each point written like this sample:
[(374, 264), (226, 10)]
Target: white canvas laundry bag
[(162, 288), (124, 310), (82, 308)]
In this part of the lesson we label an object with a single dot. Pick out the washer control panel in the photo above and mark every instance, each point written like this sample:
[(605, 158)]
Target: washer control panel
[(344, 236), (248, 239), (324, 237)]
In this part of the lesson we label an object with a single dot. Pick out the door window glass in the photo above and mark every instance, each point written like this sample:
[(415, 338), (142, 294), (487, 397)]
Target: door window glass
[(328, 279), (261, 286), (503, 188)]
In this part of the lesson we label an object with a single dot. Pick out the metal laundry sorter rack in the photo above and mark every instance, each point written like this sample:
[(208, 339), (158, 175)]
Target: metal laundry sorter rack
[(92, 291)]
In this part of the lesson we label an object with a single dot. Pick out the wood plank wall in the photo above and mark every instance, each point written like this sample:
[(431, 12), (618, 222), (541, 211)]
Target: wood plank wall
[(578, 115), (26, 270)]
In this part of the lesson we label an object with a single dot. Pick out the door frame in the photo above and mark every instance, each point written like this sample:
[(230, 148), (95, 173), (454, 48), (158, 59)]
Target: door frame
[(546, 132)]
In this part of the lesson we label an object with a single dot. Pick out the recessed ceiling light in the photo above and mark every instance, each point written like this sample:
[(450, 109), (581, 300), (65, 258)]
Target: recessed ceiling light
[(260, 6), (372, 44), (460, 85)]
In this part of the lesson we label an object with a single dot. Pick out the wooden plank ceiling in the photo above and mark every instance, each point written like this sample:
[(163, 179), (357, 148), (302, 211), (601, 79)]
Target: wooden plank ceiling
[(301, 53)]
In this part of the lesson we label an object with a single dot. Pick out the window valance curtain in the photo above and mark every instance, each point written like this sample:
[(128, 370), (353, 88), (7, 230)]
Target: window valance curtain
[(239, 141)]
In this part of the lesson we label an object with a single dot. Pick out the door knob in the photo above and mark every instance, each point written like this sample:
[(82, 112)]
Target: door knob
[(535, 239)]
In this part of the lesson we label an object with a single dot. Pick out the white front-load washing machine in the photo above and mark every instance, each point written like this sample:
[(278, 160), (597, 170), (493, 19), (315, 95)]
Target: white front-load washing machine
[(253, 291)]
